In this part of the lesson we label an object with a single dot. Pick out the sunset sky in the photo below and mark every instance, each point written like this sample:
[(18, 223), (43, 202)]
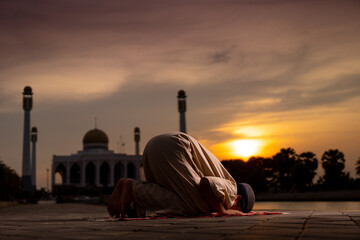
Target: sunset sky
[(259, 75)]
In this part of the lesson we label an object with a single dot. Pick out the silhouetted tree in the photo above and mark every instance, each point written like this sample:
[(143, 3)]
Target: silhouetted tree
[(358, 167), (304, 171), (283, 164), (237, 169), (259, 174), (333, 162), (10, 183)]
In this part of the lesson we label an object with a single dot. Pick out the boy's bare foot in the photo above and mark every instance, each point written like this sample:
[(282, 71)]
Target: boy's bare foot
[(126, 195), (114, 201)]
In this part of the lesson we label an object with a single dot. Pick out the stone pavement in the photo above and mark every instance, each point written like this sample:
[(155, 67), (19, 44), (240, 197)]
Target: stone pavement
[(80, 221)]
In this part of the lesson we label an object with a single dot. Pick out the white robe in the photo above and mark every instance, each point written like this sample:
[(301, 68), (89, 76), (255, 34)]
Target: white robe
[(174, 164)]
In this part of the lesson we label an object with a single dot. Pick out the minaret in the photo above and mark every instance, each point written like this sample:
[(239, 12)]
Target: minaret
[(182, 109), (33, 157), (27, 106), (137, 140)]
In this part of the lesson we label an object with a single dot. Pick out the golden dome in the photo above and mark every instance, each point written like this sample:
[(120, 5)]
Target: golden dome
[(95, 138)]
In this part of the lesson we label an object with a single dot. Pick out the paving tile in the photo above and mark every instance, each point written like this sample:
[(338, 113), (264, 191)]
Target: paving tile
[(74, 221), (271, 225), (352, 234), (266, 234)]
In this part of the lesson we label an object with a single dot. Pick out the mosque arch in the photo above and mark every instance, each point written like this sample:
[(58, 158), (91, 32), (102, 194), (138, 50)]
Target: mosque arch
[(104, 174), (118, 172), (95, 165), (90, 173), (75, 174), (60, 171), (131, 170)]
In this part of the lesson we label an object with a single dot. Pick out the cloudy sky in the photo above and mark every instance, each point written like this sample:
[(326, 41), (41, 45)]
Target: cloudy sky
[(258, 74)]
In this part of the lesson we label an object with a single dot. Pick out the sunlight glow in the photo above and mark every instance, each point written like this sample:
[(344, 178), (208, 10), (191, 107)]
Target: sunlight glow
[(248, 131), (246, 147)]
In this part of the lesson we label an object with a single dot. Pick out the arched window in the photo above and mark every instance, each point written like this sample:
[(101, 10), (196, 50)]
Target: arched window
[(131, 170), (60, 174), (104, 174), (75, 174), (90, 173), (118, 172)]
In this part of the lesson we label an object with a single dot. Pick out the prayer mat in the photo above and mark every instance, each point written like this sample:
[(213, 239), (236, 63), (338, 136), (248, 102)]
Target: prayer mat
[(216, 215)]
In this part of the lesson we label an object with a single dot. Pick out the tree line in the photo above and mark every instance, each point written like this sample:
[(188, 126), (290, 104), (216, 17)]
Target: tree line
[(288, 171), (10, 183)]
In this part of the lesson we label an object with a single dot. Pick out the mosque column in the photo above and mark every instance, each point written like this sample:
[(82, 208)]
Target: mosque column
[(182, 109), (126, 169), (137, 140), (67, 172), (82, 175), (137, 173), (111, 182), (97, 173), (26, 164), (52, 177), (33, 158)]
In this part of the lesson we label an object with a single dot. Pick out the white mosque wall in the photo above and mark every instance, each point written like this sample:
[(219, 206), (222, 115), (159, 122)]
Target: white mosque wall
[(99, 168)]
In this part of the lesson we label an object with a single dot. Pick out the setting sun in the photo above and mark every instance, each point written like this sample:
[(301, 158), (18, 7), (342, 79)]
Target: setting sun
[(246, 147), (240, 148)]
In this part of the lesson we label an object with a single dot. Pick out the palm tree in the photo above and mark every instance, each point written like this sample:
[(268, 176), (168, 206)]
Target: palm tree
[(259, 173), (333, 162), (304, 171), (284, 162), (358, 167), (237, 169)]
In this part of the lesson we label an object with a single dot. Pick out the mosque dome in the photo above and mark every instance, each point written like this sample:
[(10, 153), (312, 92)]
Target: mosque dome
[(95, 139)]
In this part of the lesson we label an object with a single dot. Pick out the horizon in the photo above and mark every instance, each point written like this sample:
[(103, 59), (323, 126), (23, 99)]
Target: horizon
[(259, 76)]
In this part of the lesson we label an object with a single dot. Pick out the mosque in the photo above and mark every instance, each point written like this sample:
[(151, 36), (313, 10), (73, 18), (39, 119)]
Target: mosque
[(98, 166), (95, 164)]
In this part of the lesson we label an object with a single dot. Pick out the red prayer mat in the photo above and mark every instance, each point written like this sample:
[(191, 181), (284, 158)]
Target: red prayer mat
[(113, 219)]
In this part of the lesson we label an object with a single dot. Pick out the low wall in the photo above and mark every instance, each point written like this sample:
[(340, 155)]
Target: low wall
[(341, 195)]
